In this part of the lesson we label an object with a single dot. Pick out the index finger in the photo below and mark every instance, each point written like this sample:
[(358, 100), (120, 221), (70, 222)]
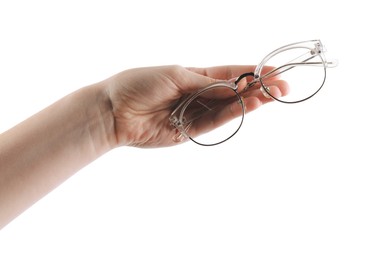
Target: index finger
[(227, 72), (223, 72)]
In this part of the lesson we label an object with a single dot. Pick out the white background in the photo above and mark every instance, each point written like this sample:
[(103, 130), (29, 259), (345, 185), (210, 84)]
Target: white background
[(305, 181)]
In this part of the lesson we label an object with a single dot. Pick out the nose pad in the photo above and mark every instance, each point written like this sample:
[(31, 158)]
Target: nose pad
[(180, 133), (264, 90), (179, 136)]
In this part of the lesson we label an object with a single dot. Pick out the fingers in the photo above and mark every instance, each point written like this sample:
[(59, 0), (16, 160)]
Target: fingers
[(223, 72), (216, 112), (276, 89), (218, 103), (192, 79), (229, 71), (222, 103)]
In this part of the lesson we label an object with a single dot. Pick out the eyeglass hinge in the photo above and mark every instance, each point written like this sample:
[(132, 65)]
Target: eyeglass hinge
[(175, 121), (319, 48)]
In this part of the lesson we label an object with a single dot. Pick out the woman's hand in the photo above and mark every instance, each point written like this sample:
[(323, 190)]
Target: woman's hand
[(131, 108), (143, 99)]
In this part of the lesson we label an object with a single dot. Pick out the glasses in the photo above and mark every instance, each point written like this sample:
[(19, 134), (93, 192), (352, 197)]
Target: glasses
[(215, 113)]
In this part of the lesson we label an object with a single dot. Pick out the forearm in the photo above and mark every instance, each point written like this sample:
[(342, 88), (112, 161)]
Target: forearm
[(46, 149)]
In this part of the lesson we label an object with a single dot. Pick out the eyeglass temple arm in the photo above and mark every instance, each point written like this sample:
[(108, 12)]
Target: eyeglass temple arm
[(288, 66), (328, 64)]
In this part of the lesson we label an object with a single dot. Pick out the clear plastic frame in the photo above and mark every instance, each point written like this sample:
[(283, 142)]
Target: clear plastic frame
[(215, 113), (303, 65)]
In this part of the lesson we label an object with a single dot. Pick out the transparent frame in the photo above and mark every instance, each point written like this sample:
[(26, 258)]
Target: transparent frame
[(315, 49)]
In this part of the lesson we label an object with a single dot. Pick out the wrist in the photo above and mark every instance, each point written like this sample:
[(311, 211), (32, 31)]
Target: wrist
[(101, 118)]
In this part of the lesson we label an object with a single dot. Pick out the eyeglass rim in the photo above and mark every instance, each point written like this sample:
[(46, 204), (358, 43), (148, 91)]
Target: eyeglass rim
[(265, 89), (177, 115), (318, 49)]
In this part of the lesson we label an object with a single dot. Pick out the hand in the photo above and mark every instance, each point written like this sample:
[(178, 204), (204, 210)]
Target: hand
[(143, 99), (130, 108)]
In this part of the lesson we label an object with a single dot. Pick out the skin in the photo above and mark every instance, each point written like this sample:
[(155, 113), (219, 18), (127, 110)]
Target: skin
[(129, 109)]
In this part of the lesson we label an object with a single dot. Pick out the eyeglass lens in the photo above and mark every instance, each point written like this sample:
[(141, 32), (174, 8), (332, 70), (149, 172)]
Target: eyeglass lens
[(304, 72), (223, 114)]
